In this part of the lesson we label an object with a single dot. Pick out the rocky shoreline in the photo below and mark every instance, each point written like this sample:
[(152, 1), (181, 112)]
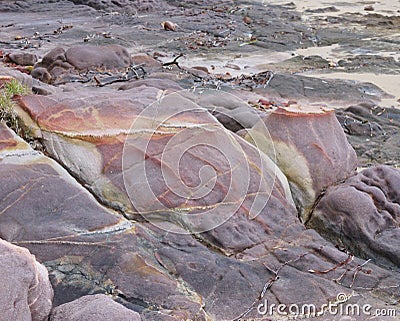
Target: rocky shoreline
[(179, 161)]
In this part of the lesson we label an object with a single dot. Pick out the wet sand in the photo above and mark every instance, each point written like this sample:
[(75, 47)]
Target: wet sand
[(388, 83), (375, 45)]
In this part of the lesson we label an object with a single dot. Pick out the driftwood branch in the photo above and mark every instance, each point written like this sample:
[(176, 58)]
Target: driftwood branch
[(173, 62)]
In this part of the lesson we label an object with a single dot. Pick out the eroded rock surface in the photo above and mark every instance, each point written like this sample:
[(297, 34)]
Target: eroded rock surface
[(26, 292), (309, 146), (126, 6), (64, 65), (93, 308), (216, 274), (363, 214), (373, 132), (87, 248), (225, 272), (89, 125)]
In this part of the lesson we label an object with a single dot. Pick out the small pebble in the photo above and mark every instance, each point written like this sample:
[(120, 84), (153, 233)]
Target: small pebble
[(168, 25), (247, 20), (232, 66)]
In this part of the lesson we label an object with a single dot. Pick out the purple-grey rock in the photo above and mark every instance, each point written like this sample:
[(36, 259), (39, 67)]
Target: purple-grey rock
[(125, 6), (86, 247), (57, 54), (93, 308), (61, 66), (373, 132), (309, 146), (363, 214), (23, 58), (26, 292), (90, 57), (41, 74), (214, 275)]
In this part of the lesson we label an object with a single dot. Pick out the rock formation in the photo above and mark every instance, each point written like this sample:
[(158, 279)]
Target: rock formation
[(309, 146), (196, 273), (60, 64), (133, 184), (363, 214), (26, 292), (93, 308)]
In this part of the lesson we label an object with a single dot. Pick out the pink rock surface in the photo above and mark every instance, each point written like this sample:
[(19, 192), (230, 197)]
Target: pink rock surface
[(214, 274), (93, 308), (90, 57), (363, 214), (309, 146), (26, 292)]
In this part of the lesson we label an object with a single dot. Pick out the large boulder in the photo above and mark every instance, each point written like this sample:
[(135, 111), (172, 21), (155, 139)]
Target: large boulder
[(93, 308), (105, 57), (26, 292), (309, 146), (60, 65), (363, 214), (141, 143)]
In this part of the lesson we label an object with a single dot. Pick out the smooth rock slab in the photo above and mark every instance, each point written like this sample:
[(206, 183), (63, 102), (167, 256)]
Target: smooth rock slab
[(136, 149), (26, 292), (93, 308), (86, 247), (309, 146), (363, 214)]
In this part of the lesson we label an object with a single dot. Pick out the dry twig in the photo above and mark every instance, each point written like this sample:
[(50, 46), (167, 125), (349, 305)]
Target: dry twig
[(173, 62), (348, 260), (269, 284)]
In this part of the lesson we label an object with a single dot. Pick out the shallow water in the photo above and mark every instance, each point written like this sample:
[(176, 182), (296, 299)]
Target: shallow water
[(386, 7), (389, 83), (378, 42), (335, 52), (236, 64)]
